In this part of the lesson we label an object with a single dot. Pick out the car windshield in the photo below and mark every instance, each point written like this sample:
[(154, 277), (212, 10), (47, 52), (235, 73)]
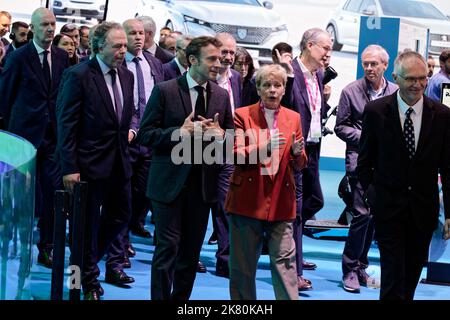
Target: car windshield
[(247, 2), (413, 9)]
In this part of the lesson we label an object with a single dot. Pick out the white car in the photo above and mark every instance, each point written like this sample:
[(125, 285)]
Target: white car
[(343, 24), (81, 8), (251, 22)]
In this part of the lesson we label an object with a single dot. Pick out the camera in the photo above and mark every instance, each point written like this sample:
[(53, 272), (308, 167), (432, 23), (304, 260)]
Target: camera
[(329, 75)]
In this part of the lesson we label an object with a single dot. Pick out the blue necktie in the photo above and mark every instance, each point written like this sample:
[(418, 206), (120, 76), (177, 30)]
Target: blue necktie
[(408, 132), (141, 88), (117, 100)]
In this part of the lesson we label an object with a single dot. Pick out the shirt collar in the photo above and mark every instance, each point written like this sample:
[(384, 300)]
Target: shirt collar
[(182, 69), (129, 56), (152, 49), (305, 70), (39, 49), (192, 83), (105, 69), (224, 79), (403, 106)]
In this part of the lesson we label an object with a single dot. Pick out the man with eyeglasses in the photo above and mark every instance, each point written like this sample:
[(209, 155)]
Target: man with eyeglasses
[(307, 98), (230, 80), (353, 99), (434, 90), (404, 146), (84, 49), (179, 65)]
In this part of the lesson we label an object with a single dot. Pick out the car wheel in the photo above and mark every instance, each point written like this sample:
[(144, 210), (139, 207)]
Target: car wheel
[(332, 31)]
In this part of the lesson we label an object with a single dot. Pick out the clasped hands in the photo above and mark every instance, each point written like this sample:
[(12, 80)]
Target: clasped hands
[(277, 140), (210, 127)]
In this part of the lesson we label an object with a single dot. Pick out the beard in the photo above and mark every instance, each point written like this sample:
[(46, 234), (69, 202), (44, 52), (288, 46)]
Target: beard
[(20, 44)]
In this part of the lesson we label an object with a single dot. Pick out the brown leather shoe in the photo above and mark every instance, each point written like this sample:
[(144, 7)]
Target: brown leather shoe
[(303, 284)]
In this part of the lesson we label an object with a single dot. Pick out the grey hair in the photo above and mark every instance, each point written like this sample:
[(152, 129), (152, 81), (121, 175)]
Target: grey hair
[(101, 32), (181, 39), (149, 24), (311, 35), (405, 55), (384, 56), (270, 69)]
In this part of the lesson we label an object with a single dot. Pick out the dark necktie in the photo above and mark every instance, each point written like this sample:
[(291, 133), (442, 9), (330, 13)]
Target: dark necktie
[(408, 132), (200, 103), (117, 100), (46, 69), (141, 88)]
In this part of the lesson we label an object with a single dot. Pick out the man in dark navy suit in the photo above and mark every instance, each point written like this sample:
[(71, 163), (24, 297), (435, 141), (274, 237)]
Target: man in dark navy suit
[(178, 65), (307, 98), (94, 110), (150, 45), (182, 194), (147, 71), (404, 146), (28, 89)]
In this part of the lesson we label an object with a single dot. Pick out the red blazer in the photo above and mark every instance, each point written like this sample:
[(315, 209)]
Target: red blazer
[(254, 193)]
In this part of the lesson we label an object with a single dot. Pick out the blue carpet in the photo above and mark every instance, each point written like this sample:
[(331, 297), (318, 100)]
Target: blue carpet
[(326, 278)]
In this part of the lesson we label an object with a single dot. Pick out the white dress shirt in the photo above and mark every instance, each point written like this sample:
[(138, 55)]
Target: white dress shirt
[(416, 115), (105, 70)]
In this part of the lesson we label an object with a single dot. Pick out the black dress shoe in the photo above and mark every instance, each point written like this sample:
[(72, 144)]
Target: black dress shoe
[(45, 257), (126, 263), (141, 232), (222, 272), (201, 268), (130, 251), (308, 265), (94, 294), (118, 277)]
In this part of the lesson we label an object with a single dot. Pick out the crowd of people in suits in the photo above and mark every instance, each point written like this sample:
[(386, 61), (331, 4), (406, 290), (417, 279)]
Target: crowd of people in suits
[(108, 105)]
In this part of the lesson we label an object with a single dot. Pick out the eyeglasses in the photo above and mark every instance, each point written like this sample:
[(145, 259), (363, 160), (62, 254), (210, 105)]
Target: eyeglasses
[(225, 52), (372, 64), (326, 48), (412, 80)]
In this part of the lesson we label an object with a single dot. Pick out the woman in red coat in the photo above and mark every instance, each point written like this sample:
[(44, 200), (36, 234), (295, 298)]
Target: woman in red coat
[(268, 148)]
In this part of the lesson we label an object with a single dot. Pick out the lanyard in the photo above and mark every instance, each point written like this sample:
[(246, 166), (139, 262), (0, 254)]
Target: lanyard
[(275, 115), (310, 95)]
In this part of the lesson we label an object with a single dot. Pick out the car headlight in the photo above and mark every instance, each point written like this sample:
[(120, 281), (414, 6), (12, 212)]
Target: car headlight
[(283, 27), (197, 27)]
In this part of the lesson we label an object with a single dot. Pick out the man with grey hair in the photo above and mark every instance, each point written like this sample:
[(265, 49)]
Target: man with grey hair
[(353, 99), (178, 65), (307, 98), (404, 146), (5, 24), (94, 112), (28, 89), (150, 45)]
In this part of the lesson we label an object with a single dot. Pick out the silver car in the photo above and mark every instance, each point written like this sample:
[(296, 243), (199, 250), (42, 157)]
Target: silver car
[(87, 9), (343, 24), (251, 22)]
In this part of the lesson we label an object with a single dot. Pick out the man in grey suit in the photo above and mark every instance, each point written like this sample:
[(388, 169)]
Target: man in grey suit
[(354, 98), (182, 194)]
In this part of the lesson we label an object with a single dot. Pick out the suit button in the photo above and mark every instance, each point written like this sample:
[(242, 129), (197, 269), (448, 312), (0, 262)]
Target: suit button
[(287, 184), (409, 188), (250, 179)]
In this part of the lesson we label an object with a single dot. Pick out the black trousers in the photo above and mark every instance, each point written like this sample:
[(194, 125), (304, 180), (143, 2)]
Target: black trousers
[(180, 227), (140, 158), (107, 215), (48, 180), (403, 252), (220, 218), (360, 233)]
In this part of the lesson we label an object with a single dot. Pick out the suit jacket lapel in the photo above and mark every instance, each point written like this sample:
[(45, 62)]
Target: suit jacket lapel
[(99, 80), (183, 89), (393, 121), (301, 87), (427, 120), (127, 99), (36, 64)]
